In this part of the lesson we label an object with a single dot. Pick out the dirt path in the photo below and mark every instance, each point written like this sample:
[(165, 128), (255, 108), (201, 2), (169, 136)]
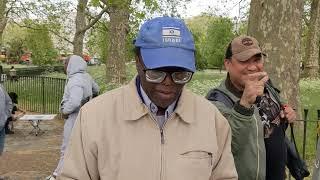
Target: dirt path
[(30, 157)]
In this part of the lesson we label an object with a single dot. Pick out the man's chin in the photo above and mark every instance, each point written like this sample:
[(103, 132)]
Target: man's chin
[(164, 103)]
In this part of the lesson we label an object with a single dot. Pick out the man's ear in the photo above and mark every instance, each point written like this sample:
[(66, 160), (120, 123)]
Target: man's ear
[(138, 63), (227, 63)]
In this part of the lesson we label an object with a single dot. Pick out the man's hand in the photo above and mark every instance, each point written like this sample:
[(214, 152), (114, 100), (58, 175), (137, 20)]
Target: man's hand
[(288, 113), (254, 87)]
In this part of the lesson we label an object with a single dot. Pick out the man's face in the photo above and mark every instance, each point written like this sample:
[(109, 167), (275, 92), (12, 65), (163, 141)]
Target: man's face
[(161, 94), (238, 70)]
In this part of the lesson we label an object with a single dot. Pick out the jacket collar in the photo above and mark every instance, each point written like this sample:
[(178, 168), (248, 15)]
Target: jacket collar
[(134, 108), (186, 106), (232, 88)]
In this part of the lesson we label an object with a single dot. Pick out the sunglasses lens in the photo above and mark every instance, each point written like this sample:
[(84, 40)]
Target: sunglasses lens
[(181, 77), (155, 76)]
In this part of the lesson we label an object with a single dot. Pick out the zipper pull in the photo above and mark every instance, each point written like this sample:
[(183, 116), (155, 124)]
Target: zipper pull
[(162, 137)]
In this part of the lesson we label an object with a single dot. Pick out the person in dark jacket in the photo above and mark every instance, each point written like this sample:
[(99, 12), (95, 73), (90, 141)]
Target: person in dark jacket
[(14, 99), (256, 114), (14, 115)]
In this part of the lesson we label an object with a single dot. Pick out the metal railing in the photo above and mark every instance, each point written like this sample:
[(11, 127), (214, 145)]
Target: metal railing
[(36, 93), (306, 133)]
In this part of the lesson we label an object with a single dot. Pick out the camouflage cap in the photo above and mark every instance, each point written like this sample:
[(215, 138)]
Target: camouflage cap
[(244, 47)]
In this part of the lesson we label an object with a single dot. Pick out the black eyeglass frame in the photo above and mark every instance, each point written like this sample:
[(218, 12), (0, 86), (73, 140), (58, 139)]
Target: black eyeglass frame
[(164, 74)]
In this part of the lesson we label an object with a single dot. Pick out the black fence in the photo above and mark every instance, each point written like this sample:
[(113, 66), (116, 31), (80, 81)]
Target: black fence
[(35, 70), (306, 132), (36, 93)]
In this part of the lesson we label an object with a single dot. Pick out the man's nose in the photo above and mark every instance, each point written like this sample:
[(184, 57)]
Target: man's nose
[(252, 66), (168, 79)]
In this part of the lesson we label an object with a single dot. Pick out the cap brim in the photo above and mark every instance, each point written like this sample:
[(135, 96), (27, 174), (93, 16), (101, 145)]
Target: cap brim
[(168, 57), (245, 55)]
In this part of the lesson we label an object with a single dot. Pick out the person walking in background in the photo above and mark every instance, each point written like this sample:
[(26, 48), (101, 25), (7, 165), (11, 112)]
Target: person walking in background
[(80, 88), (5, 112), (256, 114), (14, 116), (153, 128), (13, 73), (1, 72)]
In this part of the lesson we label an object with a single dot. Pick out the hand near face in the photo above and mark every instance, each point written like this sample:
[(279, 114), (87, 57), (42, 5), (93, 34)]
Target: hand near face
[(254, 87), (288, 113)]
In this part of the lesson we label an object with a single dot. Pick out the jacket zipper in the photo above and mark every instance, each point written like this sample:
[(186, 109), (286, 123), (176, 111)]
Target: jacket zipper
[(162, 141), (258, 153), (162, 146), (162, 137)]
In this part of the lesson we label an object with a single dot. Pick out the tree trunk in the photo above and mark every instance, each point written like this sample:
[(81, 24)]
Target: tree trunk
[(3, 18), (80, 26), (117, 50), (277, 26), (312, 46)]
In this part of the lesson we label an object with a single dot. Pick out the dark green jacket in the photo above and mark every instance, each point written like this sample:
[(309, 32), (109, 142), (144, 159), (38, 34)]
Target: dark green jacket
[(248, 146)]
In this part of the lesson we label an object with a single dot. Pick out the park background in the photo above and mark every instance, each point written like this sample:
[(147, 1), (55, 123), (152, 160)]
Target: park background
[(36, 36)]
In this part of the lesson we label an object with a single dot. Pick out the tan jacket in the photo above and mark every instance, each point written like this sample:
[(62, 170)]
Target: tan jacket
[(116, 138)]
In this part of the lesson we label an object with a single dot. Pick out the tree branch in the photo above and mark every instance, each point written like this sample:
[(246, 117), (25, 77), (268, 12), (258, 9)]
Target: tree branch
[(305, 19), (96, 19), (53, 32), (104, 2), (10, 8)]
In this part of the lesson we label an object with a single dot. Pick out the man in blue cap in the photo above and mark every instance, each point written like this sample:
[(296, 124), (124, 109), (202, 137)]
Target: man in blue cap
[(153, 128)]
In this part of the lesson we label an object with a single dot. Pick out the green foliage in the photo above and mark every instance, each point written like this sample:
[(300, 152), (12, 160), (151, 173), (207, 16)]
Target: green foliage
[(219, 34), (212, 35), (98, 40), (243, 28), (14, 40), (198, 27), (201, 63), (39, 42)]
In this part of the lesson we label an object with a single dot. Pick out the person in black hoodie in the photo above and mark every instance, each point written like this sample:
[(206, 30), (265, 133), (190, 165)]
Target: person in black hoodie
[(14, 99)]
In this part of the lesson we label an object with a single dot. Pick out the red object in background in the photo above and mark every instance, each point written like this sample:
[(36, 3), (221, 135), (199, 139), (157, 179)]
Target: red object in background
[(86, 57), (26, 57)]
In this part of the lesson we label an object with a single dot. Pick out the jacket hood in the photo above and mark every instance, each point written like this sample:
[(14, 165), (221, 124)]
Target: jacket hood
[(76, 65)]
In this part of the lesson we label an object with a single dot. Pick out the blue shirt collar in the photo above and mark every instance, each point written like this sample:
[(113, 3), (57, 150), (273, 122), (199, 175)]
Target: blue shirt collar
[(151, 106)]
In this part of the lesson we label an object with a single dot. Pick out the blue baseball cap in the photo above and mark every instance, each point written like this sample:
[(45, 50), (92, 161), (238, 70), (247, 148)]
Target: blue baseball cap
[(166, 42)]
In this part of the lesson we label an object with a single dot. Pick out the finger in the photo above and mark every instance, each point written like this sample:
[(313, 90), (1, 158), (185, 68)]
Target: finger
[(256, 76), (291, 119), (292, 115), (260, 91), (264, 79), (288, 109), (260, 84), (282, 114)]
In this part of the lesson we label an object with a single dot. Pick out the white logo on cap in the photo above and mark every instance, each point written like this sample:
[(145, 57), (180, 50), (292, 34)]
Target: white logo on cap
[(171, 35)]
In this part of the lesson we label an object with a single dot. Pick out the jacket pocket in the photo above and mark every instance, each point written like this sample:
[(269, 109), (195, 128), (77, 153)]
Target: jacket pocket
[(197, 155), (194, 165)]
